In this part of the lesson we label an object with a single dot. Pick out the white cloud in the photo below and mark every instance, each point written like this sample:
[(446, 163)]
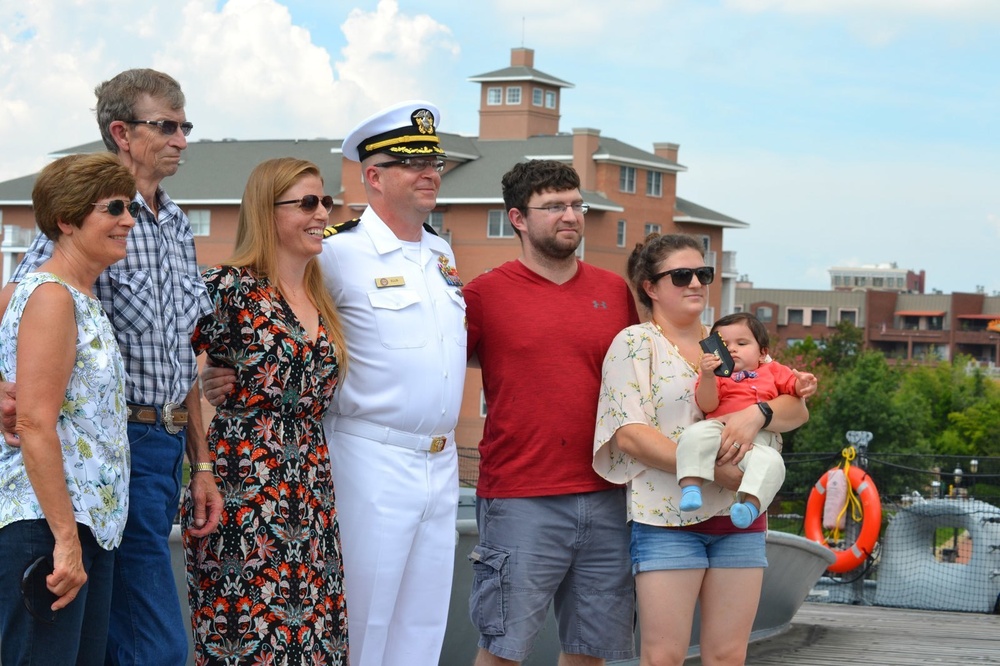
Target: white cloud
[(390, 56), (246, 69)]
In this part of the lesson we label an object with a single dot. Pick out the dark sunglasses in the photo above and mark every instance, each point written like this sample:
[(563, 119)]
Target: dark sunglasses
[(116, 207), (167, 127), (309, 202), (37, 597), (415, 163), (681, 277)]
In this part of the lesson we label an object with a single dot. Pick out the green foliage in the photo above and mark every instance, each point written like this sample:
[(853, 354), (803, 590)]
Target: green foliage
[(935, 408), (841, 348)]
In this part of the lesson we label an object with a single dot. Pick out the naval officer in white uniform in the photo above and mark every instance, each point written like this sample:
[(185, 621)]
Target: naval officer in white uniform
[(391, 425)]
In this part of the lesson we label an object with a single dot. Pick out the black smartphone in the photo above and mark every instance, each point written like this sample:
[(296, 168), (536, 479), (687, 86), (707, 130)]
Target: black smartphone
[(714, 344), (38, 599)]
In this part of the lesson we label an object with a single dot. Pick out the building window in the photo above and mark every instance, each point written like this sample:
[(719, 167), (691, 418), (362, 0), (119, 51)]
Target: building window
[(850, 316), (536, 97), (765, 314), (654, 184), (201, 222), (794, 316), (482, 403), (650, 228), (436, 221), (836, 281), (878, 282), (514, 95), (819, 318), (621, 233), (626, 179), (550, 100), (859, 280), (498, 226), (494, 96)]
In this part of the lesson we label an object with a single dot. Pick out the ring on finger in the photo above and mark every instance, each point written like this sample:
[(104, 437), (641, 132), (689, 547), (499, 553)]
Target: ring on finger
[(736, 446)]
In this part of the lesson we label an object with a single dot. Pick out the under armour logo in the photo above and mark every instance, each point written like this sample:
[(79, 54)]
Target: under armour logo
[(600, 304)]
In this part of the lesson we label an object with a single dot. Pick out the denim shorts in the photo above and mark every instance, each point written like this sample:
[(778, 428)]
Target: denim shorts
[(663, 548), (570, 550)]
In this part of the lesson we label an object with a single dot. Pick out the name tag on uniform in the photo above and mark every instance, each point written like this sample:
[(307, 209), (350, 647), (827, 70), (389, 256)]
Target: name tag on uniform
[(396, 281)]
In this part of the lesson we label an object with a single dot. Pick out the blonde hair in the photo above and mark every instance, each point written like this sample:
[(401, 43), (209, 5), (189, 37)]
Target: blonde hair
[(257, 239)]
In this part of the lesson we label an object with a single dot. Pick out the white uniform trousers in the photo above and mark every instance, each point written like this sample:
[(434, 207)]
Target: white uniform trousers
[(762, 466), (397, 509)]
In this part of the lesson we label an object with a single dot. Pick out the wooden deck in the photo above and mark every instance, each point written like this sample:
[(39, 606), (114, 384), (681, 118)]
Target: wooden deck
[(838, 634)]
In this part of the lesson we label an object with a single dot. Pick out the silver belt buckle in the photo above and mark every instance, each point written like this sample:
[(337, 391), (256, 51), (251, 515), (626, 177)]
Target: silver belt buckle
[(167, 416)]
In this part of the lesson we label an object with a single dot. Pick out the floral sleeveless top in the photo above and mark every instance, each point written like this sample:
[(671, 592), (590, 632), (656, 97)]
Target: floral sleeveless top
[(92, 424)]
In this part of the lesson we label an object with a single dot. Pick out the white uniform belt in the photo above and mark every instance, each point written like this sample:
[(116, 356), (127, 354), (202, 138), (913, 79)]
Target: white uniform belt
[(384, 435)]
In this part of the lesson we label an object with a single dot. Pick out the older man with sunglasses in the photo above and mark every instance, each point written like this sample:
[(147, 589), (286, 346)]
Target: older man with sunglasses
[(153, 298)]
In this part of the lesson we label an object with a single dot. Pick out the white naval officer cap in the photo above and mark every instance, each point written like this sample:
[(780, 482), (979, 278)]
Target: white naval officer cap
[(406, 129)]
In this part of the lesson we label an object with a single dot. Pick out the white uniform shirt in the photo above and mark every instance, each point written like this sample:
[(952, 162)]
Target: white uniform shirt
[(404, 325)]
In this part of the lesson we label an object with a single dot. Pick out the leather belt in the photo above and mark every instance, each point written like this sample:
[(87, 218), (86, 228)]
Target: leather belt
[(173, 416), (384, 435)]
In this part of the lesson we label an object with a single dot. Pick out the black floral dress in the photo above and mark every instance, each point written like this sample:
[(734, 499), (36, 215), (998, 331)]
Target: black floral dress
[(266, 589)]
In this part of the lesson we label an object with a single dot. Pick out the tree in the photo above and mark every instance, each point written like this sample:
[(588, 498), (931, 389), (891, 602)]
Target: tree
[(840, 349)]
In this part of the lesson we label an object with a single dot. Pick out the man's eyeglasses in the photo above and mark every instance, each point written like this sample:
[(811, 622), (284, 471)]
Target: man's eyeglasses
[(681, 277), (560, 208), (167, 127), (116, 207), (309, 202), (37, 597), (415, 163)]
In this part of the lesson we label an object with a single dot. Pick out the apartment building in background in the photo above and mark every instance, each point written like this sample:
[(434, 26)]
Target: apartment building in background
[(904, 326)]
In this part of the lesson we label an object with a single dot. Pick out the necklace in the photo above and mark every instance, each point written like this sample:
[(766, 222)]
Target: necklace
[(674, 345)]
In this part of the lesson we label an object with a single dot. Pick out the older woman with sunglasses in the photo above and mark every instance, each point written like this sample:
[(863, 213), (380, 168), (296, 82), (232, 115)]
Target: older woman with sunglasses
[(267, 587), (646, 402), (64, 491)]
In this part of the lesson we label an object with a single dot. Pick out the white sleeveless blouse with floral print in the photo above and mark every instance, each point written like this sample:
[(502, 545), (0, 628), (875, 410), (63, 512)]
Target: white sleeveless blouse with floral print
[(92, 424)]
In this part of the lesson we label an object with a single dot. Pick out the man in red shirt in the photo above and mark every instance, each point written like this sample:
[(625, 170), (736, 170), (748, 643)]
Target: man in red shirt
[(550, 529)]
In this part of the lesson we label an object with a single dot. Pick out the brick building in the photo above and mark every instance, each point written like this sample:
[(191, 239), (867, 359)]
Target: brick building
[(631, 191)]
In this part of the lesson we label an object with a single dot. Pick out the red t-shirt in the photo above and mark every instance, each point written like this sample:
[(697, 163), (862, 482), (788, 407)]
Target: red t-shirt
[(773, 379), (541, 346)]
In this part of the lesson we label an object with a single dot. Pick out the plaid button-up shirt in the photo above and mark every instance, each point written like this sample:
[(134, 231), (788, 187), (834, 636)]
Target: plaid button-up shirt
[(154, 297)]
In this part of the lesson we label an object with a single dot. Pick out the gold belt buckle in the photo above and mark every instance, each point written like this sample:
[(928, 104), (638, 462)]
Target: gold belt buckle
[(437, 444)]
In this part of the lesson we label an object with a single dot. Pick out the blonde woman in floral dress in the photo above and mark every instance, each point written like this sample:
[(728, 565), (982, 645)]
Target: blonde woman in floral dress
[(267, 587)]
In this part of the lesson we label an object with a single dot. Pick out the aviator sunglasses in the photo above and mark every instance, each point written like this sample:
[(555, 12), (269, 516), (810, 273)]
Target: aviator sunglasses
[(309, 202), (681, 277), (116, 207), (167, 127)]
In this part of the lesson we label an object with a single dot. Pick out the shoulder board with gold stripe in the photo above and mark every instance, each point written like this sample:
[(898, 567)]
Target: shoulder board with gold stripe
[(335, 229)]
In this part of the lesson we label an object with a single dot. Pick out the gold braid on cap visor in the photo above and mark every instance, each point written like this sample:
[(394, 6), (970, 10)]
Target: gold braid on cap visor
[(411, 138)]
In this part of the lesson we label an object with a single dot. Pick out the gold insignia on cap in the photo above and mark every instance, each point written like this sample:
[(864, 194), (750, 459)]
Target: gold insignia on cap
[(424, 121)]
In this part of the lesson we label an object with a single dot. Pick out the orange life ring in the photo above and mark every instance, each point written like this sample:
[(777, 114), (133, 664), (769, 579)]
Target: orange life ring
[(871, 523)]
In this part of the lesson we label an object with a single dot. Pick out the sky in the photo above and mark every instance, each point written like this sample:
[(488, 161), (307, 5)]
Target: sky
[(845, 132)]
